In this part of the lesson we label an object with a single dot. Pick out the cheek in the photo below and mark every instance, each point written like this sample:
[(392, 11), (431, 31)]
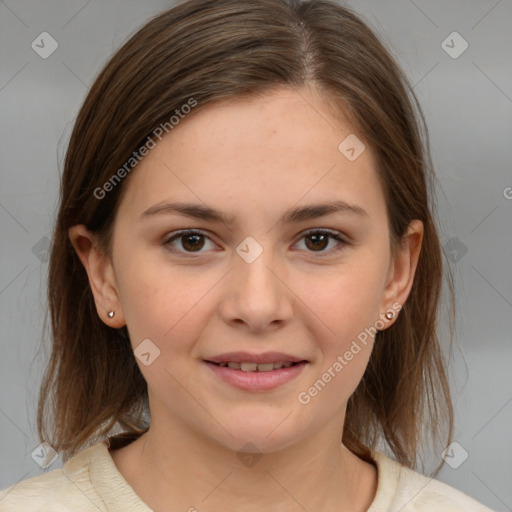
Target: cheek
[(346, 309), (346, 301), (161, 305)]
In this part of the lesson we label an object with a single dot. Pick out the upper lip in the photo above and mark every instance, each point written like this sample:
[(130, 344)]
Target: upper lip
[(247, 357)]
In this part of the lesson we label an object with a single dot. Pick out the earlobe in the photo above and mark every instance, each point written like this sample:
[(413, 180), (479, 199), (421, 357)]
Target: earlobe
[(100, 274)]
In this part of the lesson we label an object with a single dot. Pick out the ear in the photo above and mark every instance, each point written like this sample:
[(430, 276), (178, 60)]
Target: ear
[(101, 275), (401, 272)]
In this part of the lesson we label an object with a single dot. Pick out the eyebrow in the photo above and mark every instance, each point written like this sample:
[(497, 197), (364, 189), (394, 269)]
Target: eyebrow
[(294, 215)]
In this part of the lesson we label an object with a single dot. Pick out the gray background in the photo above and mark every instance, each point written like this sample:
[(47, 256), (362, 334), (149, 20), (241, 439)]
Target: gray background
[(468, 104)]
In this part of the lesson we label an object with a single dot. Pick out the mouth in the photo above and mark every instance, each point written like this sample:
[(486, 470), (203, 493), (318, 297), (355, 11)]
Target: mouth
[(256, 372), (246, 366)]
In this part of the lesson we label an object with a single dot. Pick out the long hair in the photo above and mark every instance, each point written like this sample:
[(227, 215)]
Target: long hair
[(210, 51)]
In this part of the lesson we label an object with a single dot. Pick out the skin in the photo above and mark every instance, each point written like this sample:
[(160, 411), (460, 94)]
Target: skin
[(252, 158)]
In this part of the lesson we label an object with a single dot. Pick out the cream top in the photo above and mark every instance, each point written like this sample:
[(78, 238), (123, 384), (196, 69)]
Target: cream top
[(90, 481)]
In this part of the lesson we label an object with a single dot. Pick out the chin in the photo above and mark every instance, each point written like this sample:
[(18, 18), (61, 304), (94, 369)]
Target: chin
[(261, 434)]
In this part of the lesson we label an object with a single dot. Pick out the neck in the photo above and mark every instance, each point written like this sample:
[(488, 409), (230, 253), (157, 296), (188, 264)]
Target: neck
[(192, 472)]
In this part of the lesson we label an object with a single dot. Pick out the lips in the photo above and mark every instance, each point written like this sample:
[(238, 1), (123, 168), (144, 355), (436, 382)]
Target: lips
[(257, 380), (256, 372)]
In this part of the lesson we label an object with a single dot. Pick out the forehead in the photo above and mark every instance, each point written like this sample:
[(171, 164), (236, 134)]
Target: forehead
[(284, 124), (258, 152)]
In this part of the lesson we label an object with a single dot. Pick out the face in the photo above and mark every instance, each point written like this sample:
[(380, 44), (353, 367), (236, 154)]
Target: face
[(253, 283)]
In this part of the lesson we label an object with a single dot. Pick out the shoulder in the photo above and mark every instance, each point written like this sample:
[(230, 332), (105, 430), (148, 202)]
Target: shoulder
[(401, 488), (62, 490)]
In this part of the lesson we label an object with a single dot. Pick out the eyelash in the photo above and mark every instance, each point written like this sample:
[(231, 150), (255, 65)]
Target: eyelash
[(188, 232)]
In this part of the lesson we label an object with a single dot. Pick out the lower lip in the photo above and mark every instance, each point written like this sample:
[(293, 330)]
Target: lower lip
[(256, 381)]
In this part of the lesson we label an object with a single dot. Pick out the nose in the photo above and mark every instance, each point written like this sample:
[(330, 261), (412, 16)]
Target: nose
[(257, 296)]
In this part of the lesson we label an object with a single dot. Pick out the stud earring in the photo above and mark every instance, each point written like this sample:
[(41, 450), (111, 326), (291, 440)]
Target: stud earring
[(111, 314), (390, 315)]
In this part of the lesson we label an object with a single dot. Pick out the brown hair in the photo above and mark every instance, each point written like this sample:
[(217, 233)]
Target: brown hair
[(211, 51)]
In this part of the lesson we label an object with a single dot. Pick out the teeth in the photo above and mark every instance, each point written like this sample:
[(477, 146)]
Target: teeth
[(265, 367), (248, 367), (252, 367)]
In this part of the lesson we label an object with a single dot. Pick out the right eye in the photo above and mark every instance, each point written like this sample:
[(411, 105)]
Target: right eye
[(187, 241)]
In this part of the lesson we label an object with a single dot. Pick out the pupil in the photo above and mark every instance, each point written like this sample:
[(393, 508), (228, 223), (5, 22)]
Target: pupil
[(324, 239), (196, 244)]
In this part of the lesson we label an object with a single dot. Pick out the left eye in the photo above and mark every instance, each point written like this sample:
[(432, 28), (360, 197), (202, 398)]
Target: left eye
[(319, 240), (192, 241)]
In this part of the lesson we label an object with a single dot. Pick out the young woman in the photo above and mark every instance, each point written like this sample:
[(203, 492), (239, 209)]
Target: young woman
[(245, 276)]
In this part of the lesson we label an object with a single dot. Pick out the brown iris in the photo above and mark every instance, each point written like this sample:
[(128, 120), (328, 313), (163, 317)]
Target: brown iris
[(192, 242), (320, 241)]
